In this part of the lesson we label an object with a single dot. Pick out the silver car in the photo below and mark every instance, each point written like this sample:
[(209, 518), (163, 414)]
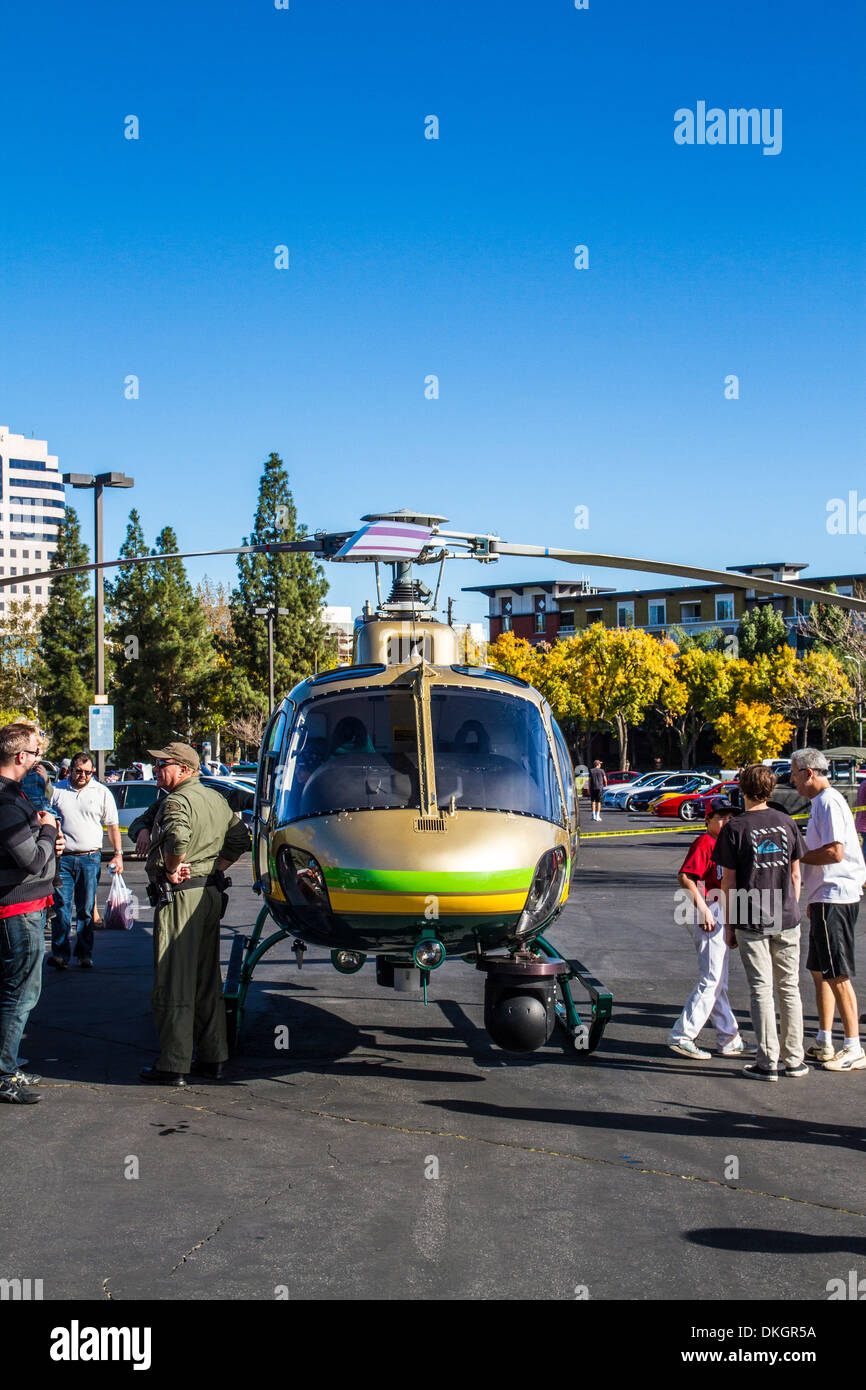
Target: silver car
[(617, 798)]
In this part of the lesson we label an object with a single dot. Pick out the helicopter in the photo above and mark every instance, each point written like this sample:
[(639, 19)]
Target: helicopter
[(418, 809)]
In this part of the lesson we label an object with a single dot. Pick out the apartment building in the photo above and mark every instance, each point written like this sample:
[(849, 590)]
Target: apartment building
[(543, 610)]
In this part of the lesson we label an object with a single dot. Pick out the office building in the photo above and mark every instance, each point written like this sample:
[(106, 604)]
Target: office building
[(32, 502)]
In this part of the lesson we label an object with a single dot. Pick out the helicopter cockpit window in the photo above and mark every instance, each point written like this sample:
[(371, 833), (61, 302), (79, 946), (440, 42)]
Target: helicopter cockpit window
[(565, 768), (269, 774), (353, 751), (492, 754)]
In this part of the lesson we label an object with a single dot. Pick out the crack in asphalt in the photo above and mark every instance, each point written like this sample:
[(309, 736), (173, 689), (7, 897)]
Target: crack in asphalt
[(554, 1153), (264, 1202), (580, 1158), (183, 1259)]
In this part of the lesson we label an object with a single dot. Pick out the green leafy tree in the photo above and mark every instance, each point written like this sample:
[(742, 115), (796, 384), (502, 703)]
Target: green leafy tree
[(761, 631), (711, 639), (64, 671), (19, 645), (294, 582), (164, 652)]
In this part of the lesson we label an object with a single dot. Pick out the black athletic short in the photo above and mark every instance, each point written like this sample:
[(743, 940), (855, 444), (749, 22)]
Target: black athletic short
[(831, 939)]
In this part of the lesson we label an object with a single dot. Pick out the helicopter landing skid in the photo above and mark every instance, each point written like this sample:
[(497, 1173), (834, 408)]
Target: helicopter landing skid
[(246, 953), (585, 1039)]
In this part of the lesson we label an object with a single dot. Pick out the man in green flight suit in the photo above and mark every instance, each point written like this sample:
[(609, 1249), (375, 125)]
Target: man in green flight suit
[(195, 836)]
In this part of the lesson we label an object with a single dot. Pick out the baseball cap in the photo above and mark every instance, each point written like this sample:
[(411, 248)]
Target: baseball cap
[(720, 804), (178, 753)]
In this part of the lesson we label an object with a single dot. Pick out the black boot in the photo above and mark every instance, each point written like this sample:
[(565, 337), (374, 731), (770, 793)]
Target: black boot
[(154, 1077)]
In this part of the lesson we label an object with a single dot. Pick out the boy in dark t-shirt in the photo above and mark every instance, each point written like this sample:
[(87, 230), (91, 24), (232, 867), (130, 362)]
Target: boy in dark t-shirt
[(700, 882), (759, 853)]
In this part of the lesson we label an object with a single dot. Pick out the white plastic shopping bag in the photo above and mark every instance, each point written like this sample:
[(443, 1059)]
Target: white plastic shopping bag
[(119, 908)]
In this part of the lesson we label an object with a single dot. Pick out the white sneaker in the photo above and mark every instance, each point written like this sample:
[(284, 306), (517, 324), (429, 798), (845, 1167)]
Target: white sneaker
[(847, 1059), (686, 1048)]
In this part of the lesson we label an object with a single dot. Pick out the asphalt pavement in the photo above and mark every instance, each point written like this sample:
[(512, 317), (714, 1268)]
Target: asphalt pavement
[(369, 1146)]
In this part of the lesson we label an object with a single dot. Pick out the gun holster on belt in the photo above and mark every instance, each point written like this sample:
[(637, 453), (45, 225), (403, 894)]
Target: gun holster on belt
[(218, 880), (160, 893)]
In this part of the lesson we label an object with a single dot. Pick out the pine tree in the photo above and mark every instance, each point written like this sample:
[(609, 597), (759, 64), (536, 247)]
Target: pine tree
[(131, 628), (165, 656), (65, 669), (185, 659), (294, 582)]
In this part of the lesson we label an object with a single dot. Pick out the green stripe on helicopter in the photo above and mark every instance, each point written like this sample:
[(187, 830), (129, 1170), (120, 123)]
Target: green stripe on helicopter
[(413, 881)]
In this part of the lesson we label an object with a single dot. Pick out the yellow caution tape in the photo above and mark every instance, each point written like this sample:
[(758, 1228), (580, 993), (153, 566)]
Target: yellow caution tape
[(696, 827)]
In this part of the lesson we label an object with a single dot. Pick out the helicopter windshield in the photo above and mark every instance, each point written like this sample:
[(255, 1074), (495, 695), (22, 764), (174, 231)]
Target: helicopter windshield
[(491, 754), (357, 751), (353, 751)]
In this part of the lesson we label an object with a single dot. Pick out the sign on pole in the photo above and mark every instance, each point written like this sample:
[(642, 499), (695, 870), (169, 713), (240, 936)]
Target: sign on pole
[(101, 727)]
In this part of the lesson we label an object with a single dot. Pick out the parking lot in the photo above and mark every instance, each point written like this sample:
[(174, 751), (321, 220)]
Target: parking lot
[(368, 1146)]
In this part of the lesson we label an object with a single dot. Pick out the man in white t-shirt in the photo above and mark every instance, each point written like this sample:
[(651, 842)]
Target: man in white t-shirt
[(833, 878), (83, 808)]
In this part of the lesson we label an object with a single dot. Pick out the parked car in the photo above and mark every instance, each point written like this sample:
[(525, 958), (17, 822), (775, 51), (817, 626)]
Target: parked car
[(842, 776), (691, 805), (616, 798), (244, 769), (134, 797), (674, 782), (139, 772), (615, 779), (778, 765)]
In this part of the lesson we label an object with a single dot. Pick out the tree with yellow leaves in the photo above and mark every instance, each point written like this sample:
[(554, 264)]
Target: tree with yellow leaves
[(752, 732), (617, 674), (516, 657), (696, 692), (825, 695)]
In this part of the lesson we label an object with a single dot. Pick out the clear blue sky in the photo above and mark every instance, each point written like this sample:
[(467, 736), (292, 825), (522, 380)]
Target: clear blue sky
[(409, 256)]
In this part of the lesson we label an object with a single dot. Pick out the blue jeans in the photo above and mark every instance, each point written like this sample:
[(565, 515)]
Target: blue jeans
[(22, 942), (77, 878)]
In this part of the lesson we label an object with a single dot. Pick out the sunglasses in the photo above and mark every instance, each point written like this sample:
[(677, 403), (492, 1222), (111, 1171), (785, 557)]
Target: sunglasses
[(167, 762), (79, 772)]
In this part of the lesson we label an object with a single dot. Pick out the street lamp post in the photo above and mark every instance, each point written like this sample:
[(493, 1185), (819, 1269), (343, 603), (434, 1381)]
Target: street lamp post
[(98, 482), (856, 659), (270, 614)]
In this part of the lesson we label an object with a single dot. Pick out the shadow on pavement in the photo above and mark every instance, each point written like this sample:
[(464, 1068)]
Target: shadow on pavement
[(769, 1242), (701, 1122)]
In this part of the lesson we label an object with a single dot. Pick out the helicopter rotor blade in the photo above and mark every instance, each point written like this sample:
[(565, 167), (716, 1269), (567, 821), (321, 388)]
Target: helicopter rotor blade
[(734, 578), (321, 545)]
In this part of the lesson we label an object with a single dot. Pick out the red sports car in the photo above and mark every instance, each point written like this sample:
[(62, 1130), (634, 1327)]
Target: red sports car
[(690, 805)]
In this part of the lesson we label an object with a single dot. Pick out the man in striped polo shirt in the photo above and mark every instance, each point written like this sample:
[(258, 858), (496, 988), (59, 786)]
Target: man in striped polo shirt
[(29, 843)]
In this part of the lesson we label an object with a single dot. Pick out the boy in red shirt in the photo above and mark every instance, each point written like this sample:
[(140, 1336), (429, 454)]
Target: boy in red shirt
[(698, 878)]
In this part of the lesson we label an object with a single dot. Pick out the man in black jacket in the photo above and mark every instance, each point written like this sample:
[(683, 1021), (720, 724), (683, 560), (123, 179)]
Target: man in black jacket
[(29, 845)]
